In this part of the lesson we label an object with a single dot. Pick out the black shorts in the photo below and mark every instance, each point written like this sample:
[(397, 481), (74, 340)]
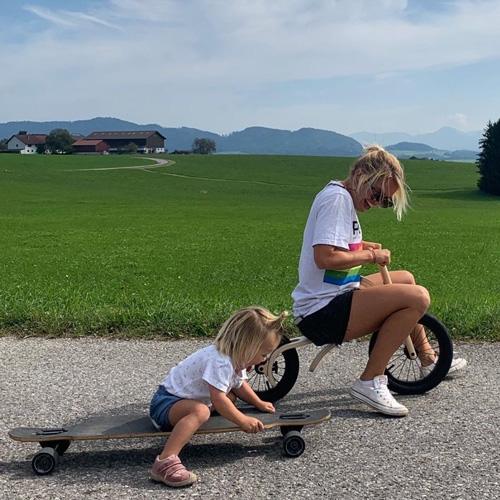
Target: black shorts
[(329, 324)]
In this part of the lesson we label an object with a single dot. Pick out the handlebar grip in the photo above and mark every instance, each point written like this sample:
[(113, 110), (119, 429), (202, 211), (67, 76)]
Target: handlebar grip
[(386, 278)]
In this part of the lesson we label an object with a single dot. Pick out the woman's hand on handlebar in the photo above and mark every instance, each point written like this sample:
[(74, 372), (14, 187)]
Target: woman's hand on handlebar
[(370, 245), (382, 256)]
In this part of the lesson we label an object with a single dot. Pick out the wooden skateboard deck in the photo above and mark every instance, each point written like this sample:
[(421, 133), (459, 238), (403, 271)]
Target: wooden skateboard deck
[(55, 441)]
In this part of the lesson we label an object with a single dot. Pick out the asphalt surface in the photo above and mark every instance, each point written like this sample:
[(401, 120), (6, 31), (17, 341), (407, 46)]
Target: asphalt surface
[(447, 448)]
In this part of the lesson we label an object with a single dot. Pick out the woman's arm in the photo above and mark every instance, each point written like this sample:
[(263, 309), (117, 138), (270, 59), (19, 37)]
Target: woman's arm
[(330, 257)]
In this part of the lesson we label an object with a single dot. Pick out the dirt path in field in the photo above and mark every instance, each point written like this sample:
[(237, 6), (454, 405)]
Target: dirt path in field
[(215, 179), (159, 163), (169, 163)]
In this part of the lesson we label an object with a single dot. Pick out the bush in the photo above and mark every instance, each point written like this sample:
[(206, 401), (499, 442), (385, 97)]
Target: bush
[(203, 146)]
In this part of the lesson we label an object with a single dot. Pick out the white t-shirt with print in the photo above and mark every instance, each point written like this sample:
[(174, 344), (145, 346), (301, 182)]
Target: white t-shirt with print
[(190, 378), (332, 221)]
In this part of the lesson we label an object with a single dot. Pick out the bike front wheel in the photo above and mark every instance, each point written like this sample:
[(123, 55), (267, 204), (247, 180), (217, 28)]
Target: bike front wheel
[(409, 376), (284, 370)]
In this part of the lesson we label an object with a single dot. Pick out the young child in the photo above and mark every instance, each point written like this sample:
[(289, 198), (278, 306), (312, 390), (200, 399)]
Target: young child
[(212, 379)]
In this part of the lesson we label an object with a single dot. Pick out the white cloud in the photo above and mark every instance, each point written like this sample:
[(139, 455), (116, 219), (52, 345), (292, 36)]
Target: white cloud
[(50, 16), (260, 41), (458, 118), (183, 59), (66, 18)]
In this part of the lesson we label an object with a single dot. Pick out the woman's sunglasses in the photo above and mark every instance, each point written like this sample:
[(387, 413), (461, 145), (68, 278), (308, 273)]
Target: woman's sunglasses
[(385, 201)]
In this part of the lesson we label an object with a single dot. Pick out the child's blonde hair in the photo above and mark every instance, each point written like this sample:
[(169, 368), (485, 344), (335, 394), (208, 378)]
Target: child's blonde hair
[(244, 333), (377, 163)]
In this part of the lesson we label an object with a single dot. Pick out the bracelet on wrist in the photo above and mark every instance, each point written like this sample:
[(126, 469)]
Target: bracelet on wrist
[(374, 256)]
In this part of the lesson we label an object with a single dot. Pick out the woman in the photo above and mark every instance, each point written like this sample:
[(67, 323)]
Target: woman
[(330, 306)]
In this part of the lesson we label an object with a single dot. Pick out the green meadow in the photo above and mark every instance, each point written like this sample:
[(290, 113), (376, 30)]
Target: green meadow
[(173, 251)]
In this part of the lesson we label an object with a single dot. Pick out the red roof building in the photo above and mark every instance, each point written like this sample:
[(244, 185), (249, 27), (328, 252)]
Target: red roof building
[(89, 146), (147, 141)]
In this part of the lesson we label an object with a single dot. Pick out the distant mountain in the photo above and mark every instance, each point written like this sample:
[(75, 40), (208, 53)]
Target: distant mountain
[(405, 150), (410, 146), (447, 142), (306, 141), (253, 140), (446, 138), (84, 127), (461, 155), (385, 139)]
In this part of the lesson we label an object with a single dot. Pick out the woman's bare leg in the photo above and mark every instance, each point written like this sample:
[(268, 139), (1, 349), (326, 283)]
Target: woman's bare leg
[(393, 310), (418, 335)]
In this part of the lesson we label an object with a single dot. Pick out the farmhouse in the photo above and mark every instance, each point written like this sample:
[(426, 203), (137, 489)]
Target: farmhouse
[(147, 141), (26, 143), (88, 147)]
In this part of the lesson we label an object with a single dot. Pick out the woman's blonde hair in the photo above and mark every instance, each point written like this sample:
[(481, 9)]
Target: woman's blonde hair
[(243, 334), (377, 163)]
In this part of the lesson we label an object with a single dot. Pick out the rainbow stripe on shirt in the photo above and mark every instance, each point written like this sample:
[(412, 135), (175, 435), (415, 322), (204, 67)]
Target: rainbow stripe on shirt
[(345, 276), (342, 277)]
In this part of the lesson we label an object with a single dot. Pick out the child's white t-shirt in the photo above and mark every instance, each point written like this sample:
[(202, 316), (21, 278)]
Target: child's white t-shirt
[(190, 378), (332, 221)]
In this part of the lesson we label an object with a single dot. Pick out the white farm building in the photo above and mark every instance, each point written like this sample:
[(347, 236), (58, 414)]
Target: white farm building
[(26, 143)]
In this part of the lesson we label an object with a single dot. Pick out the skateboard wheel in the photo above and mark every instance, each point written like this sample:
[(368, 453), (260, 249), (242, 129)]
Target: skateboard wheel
[(45, 461), (286, 429), (60, 446), (294, 444)]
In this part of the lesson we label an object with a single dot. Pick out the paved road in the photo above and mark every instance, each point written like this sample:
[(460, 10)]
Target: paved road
[(447, 448)]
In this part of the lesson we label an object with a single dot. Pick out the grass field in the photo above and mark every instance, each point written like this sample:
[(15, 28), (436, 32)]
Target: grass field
[(174, 250)]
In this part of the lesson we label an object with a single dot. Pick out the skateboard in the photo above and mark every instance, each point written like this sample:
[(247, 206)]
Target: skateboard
[(55, 441)]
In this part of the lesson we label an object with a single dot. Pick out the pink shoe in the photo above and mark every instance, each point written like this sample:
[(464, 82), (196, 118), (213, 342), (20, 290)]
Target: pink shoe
[(171, 472)]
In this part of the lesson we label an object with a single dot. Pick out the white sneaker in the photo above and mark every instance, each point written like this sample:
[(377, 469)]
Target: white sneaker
[(378, 396), (456, 364)]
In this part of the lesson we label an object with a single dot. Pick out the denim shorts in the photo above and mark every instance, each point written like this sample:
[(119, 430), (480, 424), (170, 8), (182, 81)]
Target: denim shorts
[(160, 407), (329, 324)]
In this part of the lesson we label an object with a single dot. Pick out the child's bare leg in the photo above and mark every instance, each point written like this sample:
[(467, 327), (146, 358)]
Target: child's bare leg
[(187, 416), (418, 335)]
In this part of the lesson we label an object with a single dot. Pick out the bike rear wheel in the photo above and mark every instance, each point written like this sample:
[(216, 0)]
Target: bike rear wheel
[(285, 370), (407, 376)]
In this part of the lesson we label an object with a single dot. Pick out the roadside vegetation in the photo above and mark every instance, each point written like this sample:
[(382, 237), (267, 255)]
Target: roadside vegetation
[(173, 251)]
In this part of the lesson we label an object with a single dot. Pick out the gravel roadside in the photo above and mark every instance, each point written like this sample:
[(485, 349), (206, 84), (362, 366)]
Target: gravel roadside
[(447, 448)]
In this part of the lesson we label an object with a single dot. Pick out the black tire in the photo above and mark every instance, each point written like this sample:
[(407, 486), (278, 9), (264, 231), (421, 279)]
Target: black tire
[(60, 446), (405, 375), (285, 372), (293, 444), (285, 429), (45, 461)]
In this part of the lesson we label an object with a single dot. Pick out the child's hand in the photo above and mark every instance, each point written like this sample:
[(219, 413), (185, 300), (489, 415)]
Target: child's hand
[(264, 406), (252, 425)]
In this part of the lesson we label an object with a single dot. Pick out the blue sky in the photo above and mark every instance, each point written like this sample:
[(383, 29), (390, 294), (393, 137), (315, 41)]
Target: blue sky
[(224, 65)]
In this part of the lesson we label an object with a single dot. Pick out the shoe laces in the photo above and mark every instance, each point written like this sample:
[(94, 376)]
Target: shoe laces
[(380, 387)]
